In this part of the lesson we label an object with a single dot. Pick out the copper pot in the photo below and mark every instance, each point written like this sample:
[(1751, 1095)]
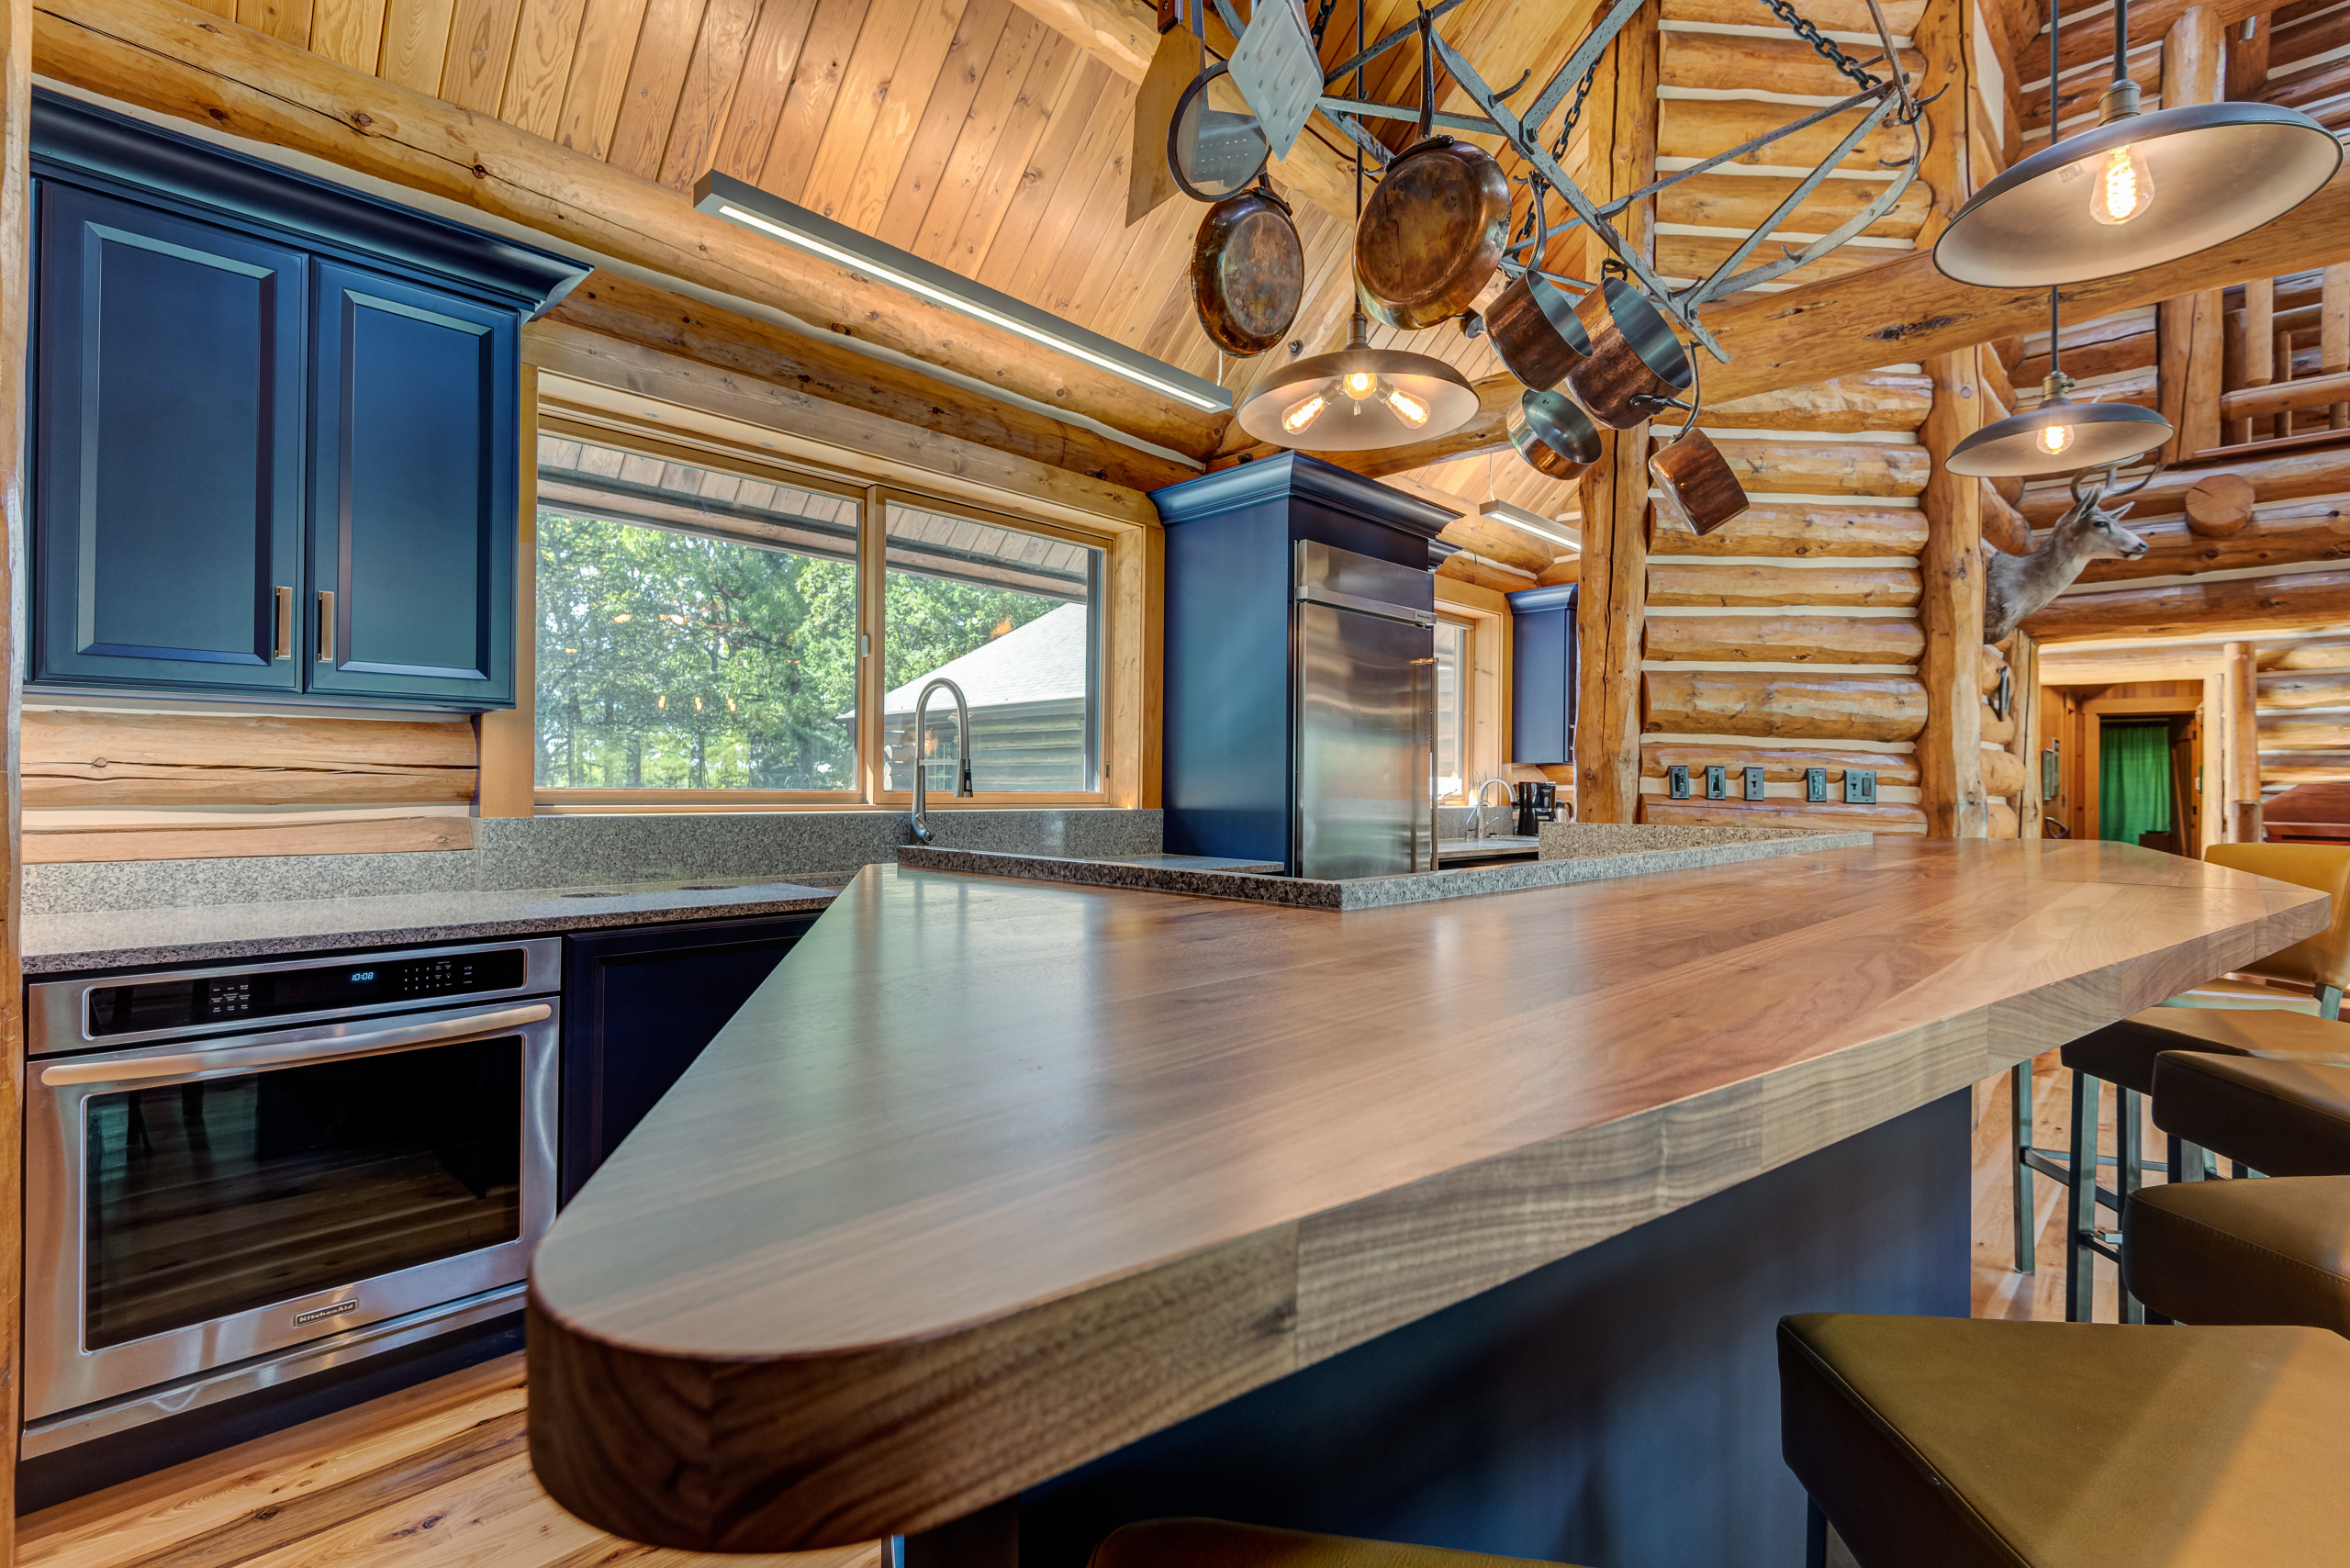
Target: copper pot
[(1635, 360), (1535, 332), (1248, 271), (1553, 434), (1431, 234), (1694, 482)]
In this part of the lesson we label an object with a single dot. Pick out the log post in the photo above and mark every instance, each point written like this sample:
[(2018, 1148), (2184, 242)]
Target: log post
[(2334, 336), (1949, 608), (2188, 328), (15, 260), (2259, 341), (2243, 703), (2023, 664), (1613, 606)]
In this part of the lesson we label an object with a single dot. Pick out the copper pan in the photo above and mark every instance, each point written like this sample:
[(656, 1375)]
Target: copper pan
[(1431, 234), (1533, 322), (1248, 271), (1635, 358), (1695, 485)]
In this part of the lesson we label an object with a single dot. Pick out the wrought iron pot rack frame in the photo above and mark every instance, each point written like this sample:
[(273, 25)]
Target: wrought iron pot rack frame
[(1882, 99)]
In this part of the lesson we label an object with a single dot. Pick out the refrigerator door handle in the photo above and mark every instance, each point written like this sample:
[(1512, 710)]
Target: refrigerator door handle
[(1313, 593)]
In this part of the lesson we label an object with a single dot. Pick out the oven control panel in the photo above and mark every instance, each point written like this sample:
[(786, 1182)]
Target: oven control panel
[(185, 1001)]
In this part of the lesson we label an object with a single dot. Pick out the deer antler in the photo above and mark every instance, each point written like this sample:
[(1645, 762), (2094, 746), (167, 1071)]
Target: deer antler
[(2101, 488)]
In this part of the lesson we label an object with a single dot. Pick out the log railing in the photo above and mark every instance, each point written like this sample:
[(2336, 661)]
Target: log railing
[(2285, 368)]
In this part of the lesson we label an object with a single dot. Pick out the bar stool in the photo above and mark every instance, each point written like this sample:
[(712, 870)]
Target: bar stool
[(1217, 1544), (2123, 1055), (2282, 1116), (1937, 1442), (2272, 1251)]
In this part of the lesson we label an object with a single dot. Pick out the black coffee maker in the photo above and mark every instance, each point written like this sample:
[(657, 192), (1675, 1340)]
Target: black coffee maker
[(1538, 802)]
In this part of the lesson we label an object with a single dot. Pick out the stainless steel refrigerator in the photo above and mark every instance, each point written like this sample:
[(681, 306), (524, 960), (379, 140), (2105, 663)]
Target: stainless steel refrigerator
[(1364, 715)]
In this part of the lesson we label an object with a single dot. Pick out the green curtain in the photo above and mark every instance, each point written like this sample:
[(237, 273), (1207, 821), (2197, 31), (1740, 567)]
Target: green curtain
[(2134, 781)]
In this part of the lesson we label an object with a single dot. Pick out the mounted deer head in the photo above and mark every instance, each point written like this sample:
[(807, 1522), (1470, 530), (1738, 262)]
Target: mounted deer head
[(2015, 586)]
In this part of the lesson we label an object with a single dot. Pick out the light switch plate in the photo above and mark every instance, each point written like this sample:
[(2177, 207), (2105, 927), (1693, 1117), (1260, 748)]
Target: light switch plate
[(1718, 783), (1753, 783), (1676, 782), (1814, 784)]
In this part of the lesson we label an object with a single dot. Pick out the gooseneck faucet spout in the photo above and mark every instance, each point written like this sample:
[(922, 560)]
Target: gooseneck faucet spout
[(1477, 810), (921, 820)]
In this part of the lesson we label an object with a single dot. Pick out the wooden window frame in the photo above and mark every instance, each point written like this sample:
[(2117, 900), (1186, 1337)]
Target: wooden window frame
[(1485, 677), (1129, 703)]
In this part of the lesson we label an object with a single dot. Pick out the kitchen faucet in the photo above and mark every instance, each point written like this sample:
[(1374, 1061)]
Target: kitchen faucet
[(962, 754), (1477, 811)]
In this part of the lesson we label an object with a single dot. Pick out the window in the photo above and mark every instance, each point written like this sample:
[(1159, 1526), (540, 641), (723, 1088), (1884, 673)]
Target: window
[(1453, 641), (1014, 620), (697, 628)]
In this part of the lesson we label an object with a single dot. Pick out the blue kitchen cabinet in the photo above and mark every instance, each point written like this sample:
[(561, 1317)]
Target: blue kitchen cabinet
[(168, 458), (414, 411), (277, 430), (1543, 680)]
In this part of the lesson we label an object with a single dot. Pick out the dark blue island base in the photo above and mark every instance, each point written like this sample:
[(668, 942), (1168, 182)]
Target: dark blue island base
[(1619, 1408)]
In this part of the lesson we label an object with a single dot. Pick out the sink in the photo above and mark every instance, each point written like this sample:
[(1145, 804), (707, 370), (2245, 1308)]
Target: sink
[(1493, 847)]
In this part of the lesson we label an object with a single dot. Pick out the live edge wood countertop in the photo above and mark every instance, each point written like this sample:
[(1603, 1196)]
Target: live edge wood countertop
[(992, 1177)]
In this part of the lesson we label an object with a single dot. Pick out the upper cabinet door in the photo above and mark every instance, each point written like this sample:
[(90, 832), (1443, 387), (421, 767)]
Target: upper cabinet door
[(168, 449), (413, 493)]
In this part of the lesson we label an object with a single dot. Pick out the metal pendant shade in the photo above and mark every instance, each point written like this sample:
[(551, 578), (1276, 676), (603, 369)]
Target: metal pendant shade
[(2216, 171), (2098, 435), (1368, 397)]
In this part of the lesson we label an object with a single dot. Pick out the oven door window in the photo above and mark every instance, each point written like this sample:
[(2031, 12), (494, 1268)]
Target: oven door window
[(204, 1200)]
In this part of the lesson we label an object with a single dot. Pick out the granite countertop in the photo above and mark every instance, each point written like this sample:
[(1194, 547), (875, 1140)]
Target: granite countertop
[(124, 938), (1571, 852)]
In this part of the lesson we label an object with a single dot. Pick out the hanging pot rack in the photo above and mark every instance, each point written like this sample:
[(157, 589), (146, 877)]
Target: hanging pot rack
[(1881, 100)]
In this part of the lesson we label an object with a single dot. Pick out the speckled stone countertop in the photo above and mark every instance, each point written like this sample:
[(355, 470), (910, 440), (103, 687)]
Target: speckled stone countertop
[(1571, 852), (127, 938)]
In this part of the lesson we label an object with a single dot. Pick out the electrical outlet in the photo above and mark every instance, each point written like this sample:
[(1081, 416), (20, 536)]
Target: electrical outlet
[(1676, 782), (1814, 784), (1860, 787), (1753, 783), (1718, 783)]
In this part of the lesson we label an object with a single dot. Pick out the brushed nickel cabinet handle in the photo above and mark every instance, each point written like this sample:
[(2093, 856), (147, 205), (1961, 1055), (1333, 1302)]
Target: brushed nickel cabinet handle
[(326, 626), (281, 646)]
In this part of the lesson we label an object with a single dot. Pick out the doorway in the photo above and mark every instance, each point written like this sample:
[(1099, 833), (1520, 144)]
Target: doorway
[(2131, 763)]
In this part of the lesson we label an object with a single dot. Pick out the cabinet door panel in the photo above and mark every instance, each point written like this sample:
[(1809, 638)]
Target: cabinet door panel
[(168, 458), (413, 492)]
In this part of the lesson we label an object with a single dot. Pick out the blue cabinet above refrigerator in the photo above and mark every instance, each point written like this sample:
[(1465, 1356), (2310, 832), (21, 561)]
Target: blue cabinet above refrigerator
[(277, 429)]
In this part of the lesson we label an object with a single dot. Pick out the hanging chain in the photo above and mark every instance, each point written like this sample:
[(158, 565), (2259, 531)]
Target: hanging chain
[(1821, 46), (1558, 153), (1322, 19)]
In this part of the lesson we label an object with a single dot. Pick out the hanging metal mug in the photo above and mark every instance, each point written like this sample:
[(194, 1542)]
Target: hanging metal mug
[(1533, 322), (1551, 431), (1634, 355), (1695, 485)]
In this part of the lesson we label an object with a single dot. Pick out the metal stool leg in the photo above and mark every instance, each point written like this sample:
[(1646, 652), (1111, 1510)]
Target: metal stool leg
[(2020, 1141), (2080, 1203), (1815, 1535), (2129, 1139)]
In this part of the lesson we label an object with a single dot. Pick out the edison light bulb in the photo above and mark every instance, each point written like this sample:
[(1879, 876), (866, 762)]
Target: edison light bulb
[(1408, 408), (1304, 414), (2123, 187), (2054, 439), (1360, 384)]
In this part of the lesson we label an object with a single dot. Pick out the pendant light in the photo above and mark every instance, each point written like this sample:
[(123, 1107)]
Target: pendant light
[(2138, 190), (1359, 399), (2060, 436)]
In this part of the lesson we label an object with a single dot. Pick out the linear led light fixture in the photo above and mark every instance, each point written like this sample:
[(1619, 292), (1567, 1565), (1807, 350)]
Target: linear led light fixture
[(1533, 522), (861, 254)]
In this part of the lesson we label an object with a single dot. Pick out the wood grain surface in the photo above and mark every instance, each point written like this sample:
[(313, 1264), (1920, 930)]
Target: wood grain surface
[(991, 1178)]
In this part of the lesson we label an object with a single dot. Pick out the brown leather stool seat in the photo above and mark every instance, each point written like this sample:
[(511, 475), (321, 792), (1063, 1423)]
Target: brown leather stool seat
[(1938, 1442), (1214, 1543), (2287, 1118), (2273, 1251), (2125, 1053)]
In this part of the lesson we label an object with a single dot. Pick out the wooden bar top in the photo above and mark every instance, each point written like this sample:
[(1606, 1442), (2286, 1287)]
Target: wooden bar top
[(992, 1177)]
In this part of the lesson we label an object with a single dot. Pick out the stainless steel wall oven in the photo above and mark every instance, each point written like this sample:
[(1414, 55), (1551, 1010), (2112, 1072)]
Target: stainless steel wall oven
[(235, 1176)]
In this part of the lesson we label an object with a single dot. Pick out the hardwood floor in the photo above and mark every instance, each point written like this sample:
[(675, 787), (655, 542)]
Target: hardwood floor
[(436, 1477)]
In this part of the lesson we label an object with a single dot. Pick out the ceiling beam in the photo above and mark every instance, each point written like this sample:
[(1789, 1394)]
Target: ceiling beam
[(175, 59)]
